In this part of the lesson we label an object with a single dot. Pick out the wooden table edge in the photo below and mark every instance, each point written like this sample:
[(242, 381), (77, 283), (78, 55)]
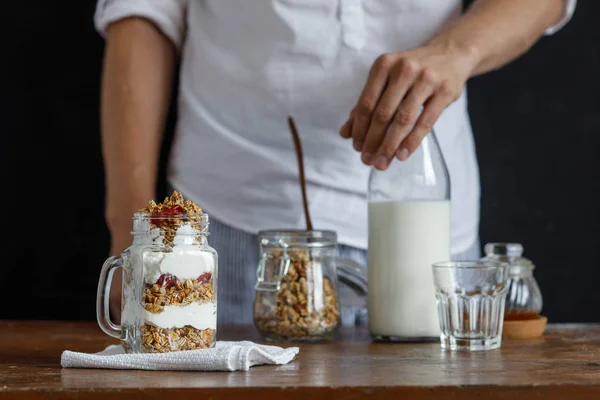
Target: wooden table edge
[(464, 392)]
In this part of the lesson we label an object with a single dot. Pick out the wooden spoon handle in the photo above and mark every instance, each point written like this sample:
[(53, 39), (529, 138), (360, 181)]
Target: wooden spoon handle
[(300, 159)]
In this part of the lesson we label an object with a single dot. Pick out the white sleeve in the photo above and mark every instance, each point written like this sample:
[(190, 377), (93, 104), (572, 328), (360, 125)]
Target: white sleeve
[(167, 15), (569, 9)]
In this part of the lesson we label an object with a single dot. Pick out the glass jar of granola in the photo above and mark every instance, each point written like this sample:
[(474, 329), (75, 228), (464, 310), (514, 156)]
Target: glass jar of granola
[(169, 300), (297, 288)]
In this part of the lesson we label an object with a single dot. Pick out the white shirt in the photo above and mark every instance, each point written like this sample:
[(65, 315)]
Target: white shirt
[(247, 65)]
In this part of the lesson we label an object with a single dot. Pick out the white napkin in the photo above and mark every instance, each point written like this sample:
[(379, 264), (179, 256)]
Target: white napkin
[(225, 356)]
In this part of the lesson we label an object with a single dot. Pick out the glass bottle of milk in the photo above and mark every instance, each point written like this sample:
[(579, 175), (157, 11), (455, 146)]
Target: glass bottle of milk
[(409, 230)]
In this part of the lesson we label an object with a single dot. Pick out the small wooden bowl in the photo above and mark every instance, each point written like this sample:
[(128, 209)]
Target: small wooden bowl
[(525, 329)]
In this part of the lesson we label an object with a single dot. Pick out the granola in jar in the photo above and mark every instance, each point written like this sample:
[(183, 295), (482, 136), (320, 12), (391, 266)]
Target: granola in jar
[(305, 306)]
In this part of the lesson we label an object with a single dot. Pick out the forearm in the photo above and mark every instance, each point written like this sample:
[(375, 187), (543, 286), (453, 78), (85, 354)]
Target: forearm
[(495, 32), (136, 88)]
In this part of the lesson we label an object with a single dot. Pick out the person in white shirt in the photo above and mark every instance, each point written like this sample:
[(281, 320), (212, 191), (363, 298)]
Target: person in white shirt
[(382, 73)]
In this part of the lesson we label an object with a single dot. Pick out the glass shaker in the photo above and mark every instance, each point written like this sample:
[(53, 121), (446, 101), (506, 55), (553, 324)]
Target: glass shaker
[(409, 231), (297, 296), (524, 298), (169, 297)]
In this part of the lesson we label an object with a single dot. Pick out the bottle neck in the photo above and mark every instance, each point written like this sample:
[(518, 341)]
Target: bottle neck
[(422, 177)]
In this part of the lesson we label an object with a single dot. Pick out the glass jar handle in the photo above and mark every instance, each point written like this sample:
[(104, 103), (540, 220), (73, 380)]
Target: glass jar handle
[(284, 265), (352, 275), (102, 299)]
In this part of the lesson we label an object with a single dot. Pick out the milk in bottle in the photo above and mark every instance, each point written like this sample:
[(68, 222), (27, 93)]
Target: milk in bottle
[(409, 230)]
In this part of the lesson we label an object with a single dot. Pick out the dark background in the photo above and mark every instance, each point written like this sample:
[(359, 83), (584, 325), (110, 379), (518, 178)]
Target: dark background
[(536, 123)]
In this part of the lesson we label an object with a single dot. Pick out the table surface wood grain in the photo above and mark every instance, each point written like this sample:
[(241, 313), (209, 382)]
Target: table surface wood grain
[(562, 364)]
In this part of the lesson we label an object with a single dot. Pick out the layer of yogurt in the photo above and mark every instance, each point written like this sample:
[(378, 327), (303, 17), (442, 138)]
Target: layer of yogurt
[(185, 261), (199, 315)]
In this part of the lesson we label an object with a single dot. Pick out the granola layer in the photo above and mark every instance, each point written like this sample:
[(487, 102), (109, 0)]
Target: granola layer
[(164, 340), (157, 297)]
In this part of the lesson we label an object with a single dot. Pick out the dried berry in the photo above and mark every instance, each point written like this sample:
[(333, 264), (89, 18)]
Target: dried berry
[(205, 277), (167, 213), (166, 280)]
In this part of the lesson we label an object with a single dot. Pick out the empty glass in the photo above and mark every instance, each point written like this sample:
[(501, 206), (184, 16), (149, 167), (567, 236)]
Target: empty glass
[(470, 300)]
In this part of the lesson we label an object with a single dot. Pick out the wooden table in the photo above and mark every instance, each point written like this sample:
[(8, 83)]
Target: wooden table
[(563, 364)]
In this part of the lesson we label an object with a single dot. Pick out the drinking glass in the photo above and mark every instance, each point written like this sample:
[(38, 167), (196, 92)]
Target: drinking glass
[(470, 299)]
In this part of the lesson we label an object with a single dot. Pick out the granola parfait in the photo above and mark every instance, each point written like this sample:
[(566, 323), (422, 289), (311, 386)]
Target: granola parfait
[(170, 281)]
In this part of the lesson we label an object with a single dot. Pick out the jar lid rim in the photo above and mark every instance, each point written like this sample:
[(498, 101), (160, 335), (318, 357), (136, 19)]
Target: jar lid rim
[(148, 214), (470, 265), (143, 219), (299, 235)]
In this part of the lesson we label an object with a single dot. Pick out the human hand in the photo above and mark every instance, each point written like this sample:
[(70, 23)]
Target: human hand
[(385, 121)]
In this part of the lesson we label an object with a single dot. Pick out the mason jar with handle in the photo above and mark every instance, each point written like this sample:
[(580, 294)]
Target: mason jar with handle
[(169, 297), (409, 231), (297, 296)]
